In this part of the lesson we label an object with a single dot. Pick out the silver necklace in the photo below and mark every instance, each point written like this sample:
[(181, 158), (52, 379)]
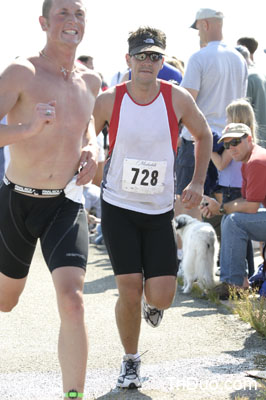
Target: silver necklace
[(65, 72)]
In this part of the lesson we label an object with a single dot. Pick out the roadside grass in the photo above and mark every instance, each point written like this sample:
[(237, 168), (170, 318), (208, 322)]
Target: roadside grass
[(247, 304), (251, 308), (241, 398), (260, 396)]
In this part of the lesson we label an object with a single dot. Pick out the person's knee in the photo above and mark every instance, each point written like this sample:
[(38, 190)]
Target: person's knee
[(160, 293), (232, 223), (7, 305), (162, 302), (227, 222), (71, 306), (130, 290), (132, 299), (161, 299)]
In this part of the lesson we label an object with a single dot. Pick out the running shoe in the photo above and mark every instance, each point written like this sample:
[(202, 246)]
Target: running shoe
[(129, 374), (152, 315)]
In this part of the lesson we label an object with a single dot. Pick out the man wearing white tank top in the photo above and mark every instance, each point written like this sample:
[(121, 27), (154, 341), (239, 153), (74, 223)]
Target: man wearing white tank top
[(138, 188)]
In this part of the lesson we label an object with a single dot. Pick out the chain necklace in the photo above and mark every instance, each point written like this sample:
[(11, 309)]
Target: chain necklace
[(65, 72)]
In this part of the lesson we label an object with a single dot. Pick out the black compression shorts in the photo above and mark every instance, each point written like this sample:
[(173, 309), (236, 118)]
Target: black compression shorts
[(60, 223), (139, 243)]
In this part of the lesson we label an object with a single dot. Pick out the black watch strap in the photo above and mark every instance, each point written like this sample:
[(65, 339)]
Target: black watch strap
[(221, 209)]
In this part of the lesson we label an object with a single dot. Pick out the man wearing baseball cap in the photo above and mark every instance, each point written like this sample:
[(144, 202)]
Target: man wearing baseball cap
[(215, 76), (143, 42), (244, 218), (138, 188), (205, 13), (234, 130)]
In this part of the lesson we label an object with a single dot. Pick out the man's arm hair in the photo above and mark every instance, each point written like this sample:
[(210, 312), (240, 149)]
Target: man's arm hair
[(241, 205)]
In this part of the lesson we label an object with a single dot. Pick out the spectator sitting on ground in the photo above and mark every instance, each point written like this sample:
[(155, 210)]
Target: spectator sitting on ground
[(243, 219), (230, 176)]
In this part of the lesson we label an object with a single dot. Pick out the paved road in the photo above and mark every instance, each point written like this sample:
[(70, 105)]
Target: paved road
[(199, 352)]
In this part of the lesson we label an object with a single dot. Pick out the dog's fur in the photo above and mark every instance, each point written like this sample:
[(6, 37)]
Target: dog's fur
[(200, 252)]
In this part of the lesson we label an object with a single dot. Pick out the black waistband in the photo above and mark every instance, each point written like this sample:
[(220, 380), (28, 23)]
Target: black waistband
[(187, 141), (32, 191)]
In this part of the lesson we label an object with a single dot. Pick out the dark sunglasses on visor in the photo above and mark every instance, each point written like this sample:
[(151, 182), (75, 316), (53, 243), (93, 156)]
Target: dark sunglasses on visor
[(234, 142), (153, 56)]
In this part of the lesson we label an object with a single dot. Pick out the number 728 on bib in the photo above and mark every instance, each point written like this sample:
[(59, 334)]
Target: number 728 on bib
[(142, 176)]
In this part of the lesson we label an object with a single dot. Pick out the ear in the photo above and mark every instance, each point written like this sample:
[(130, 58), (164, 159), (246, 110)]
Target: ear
[(163, 59), (128, 60), (43, 23), (250, 138), (205, 24)]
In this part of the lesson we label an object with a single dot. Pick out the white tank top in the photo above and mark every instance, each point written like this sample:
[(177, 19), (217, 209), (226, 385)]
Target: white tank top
[(139, 172)]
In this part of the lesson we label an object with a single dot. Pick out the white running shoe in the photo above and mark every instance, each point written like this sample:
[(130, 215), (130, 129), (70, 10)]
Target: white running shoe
[(152, 315), (129, 374)]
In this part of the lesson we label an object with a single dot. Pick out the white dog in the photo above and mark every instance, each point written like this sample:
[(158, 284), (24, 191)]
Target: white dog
[(200, 252)]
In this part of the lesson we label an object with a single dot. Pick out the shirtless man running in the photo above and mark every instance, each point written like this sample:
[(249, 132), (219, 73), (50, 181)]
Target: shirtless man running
[(49, 101)]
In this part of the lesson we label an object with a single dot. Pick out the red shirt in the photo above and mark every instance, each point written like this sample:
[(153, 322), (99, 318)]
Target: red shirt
[(254, 176)]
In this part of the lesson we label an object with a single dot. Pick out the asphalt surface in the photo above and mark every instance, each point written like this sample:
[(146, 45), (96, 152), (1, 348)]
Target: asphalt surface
[(200, 351)]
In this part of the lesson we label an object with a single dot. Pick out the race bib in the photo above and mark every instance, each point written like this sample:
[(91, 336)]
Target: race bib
[(142, 176)]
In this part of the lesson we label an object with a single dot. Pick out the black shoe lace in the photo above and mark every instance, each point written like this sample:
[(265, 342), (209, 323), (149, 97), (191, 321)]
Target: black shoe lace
[(131, 367), (154, 311)]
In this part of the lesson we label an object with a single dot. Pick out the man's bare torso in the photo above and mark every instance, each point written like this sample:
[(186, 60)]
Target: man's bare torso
[(51, 158)]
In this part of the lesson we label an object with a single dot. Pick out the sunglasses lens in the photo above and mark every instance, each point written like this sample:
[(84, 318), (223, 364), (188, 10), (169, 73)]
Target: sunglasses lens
[(141, 56), (154, 57), (234, 143)]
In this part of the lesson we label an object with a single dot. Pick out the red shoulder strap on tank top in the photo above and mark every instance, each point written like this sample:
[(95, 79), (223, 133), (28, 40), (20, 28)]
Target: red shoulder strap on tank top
[(120, 91), (166, 90)]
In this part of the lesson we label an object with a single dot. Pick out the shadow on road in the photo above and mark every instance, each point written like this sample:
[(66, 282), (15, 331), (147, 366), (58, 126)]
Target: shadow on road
[(118, 394), (100, 285), (200, 307), (103, 262)]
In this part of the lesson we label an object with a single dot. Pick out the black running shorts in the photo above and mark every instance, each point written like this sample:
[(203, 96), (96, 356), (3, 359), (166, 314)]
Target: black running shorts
[(60, 223), (139, 243)]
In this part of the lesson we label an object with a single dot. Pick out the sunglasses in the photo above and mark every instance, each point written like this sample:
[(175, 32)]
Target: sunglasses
[(154, 57), (234, 142)]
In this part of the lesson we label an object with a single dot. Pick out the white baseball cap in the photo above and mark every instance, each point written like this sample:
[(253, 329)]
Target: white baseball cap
[(234, 130), (204, 13)]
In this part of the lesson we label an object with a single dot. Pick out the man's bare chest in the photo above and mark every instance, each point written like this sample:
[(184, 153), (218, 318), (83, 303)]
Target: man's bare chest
[(73, 99)]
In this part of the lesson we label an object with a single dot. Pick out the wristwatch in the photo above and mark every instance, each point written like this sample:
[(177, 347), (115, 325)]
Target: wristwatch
[(221, 209), (73, 394)]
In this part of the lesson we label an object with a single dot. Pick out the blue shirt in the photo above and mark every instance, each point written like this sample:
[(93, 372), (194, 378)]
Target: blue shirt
[(167, 73), (211, 182)]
